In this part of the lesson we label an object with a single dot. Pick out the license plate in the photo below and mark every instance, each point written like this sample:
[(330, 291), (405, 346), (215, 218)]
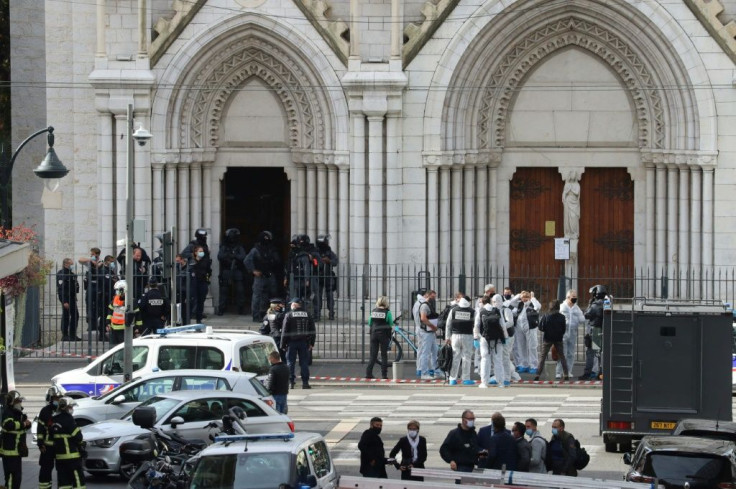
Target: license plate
[(663, 425)]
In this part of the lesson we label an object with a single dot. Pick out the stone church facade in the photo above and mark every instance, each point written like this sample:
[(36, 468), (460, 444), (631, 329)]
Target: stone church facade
[(458, 133)]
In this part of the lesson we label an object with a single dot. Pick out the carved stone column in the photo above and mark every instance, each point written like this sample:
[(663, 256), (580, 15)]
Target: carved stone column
[(444, 218), (468, 219), (481, 219), (157, 221), (432, 213), (661, 243), (343, 236), (170, 202), (357, 188), (105, 192), (183, 194), (457, 219), (333, 208), (301, 196), (696, 225), (323, 191), (708, 227), (195, 185), (312, 201), (672, 174), (207, 200), (683, 246), (376, 205), (651, 202)]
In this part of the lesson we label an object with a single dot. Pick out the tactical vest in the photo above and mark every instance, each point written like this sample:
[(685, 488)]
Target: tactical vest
[(462, 320), (378, 321)]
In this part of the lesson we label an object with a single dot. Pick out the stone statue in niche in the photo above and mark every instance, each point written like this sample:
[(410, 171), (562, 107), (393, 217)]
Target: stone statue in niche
[(571, 204)]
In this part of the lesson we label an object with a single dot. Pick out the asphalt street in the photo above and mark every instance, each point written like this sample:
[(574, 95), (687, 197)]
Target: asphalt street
[(341, 410)]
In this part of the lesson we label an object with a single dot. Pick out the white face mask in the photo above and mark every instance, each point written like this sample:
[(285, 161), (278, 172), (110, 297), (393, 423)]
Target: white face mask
[(470, 423), (413, 433)]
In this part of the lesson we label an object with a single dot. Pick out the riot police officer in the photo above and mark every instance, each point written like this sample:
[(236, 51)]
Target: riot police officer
[(302, 271), (68, 445), (264, 263), (67, 288), (232, 271), (594, 315), (45, 440), (325, 276), (273, 323), (153, 307), (14, 447), (297, 338)]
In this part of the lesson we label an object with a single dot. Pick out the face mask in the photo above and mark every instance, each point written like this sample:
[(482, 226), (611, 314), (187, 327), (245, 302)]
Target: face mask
[(93, 258), (55, 404), (573, 300), (200, 254), (413, 433), (555, 432), (529, 432), (376, 430), (19, 406), (112, 266), (71, 411), (507, 297), (470, 423)]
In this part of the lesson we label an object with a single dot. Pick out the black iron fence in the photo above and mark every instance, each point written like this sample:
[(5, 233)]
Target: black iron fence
[(342, 331)]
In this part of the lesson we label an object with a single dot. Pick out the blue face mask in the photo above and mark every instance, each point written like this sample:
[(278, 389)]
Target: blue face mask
[(200, 254), (529, 432), (555, 432), (55, 404)]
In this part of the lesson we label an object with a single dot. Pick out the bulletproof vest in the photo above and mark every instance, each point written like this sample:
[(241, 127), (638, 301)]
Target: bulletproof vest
[(275, 323), (594, 313), (491, 322), (378, 320), (153, 303), (462, 320), (296, 325)]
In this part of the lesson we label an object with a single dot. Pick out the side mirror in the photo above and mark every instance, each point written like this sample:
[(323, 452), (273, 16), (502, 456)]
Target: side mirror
[(176, 420), (118, 399), (627, 458)]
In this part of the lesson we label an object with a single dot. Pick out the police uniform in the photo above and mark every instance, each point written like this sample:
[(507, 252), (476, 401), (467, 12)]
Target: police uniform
[(13, 444), (380, 324), (298, 337), (67, 288), (273, 324), (68, 442), (154, 309), (326, 278), (45, 444)]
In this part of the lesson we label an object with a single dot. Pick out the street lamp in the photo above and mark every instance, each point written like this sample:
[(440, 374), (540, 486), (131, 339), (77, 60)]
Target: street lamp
[(141, 136), (50, 168)]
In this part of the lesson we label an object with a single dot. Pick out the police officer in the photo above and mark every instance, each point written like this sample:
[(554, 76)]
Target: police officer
[(45, 440), (67, 288), (232, 271), (264, 263), (153, 307), (594, 315), (297, 338), (14, 447), (200, 239), (91, 285), (325, 275), (302, 271), (68, 445), (273, 323)]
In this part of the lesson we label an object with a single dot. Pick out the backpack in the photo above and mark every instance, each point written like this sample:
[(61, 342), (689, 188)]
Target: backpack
[(442, 319), (532, 317), (582, 458), (511, 330), (491, 323), (444, 358)]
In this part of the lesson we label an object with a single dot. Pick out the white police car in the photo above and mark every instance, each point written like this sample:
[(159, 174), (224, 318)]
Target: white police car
[(282, 460), (185, 347)]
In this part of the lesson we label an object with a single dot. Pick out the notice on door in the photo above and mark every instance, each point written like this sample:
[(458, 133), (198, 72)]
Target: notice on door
[(562, 248)]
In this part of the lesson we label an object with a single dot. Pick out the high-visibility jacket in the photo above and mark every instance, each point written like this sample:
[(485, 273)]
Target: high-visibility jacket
[(12, 432), (116, 318)]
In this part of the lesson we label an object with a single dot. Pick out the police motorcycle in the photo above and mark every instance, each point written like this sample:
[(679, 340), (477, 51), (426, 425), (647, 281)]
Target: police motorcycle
[(160, 459)]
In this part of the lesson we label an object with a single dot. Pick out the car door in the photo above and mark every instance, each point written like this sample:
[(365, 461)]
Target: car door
[(137, 393), (110, 373), (197, 414), (322, 466)]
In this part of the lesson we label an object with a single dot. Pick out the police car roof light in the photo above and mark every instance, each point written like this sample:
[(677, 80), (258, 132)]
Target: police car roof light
[(268, 436), (179, 329)]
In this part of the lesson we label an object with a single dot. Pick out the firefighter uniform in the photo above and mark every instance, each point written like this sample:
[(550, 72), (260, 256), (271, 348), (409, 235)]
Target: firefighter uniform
[(14, 426), (46, 445), (68, 443)]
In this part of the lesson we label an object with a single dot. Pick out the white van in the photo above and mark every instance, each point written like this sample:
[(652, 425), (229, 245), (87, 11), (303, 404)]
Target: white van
[(185, 347)]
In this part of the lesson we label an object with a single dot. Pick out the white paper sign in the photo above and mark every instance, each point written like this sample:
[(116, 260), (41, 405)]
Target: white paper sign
[(562, 248)]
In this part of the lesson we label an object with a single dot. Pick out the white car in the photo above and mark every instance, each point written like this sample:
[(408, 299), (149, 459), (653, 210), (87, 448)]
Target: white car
[(276, 460), (185, 347), (184, 413)]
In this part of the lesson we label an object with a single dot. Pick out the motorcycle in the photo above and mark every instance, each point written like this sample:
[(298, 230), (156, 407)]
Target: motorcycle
[(160, 459)]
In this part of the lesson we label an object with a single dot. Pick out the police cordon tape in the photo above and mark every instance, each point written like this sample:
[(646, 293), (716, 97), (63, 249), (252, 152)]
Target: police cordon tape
[(54, 353)]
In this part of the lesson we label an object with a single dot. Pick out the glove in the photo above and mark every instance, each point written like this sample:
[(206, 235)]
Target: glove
[(476, 344)]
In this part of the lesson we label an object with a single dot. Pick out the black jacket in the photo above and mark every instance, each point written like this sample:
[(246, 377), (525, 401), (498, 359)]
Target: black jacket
[(371, 450), (13, 433), (67, 286), (154, 308), (563, 443), (461, 446), (278, 379), (404, 447), (501, 451), (43, 434), (554, 325), (298, 326), (67, 437)]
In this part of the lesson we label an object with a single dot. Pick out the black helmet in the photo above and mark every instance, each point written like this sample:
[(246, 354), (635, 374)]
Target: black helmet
[(232, 233), (12, 397), (52, 392), (200, 233), (294, 239), (66, 403), (153, 280), (264, 237), (598, 291), (303, 239), (323, 239)]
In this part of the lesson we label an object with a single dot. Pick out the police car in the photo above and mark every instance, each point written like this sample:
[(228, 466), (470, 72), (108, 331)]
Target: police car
[(289, 460), (184, 347)]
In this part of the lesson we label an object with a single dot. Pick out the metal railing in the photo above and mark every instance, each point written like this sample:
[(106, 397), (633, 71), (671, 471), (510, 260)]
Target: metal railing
[(356, 289)]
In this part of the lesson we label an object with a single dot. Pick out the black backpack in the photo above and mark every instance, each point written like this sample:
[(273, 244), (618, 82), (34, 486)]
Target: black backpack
[(511, 330), (532, 317), (442, 318), (582, 459), (491, 323), (444, 358)]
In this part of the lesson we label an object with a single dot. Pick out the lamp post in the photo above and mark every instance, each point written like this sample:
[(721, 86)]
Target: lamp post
[(141, 136), (50, 168)]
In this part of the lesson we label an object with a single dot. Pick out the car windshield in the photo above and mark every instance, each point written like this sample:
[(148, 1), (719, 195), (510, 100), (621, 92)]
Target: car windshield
[(162, 405), (254, 357), (242, 471), (687, 467)]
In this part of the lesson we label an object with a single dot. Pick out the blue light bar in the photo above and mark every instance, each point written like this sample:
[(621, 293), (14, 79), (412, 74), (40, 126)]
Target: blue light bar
[(267, 436), (179, 329)]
